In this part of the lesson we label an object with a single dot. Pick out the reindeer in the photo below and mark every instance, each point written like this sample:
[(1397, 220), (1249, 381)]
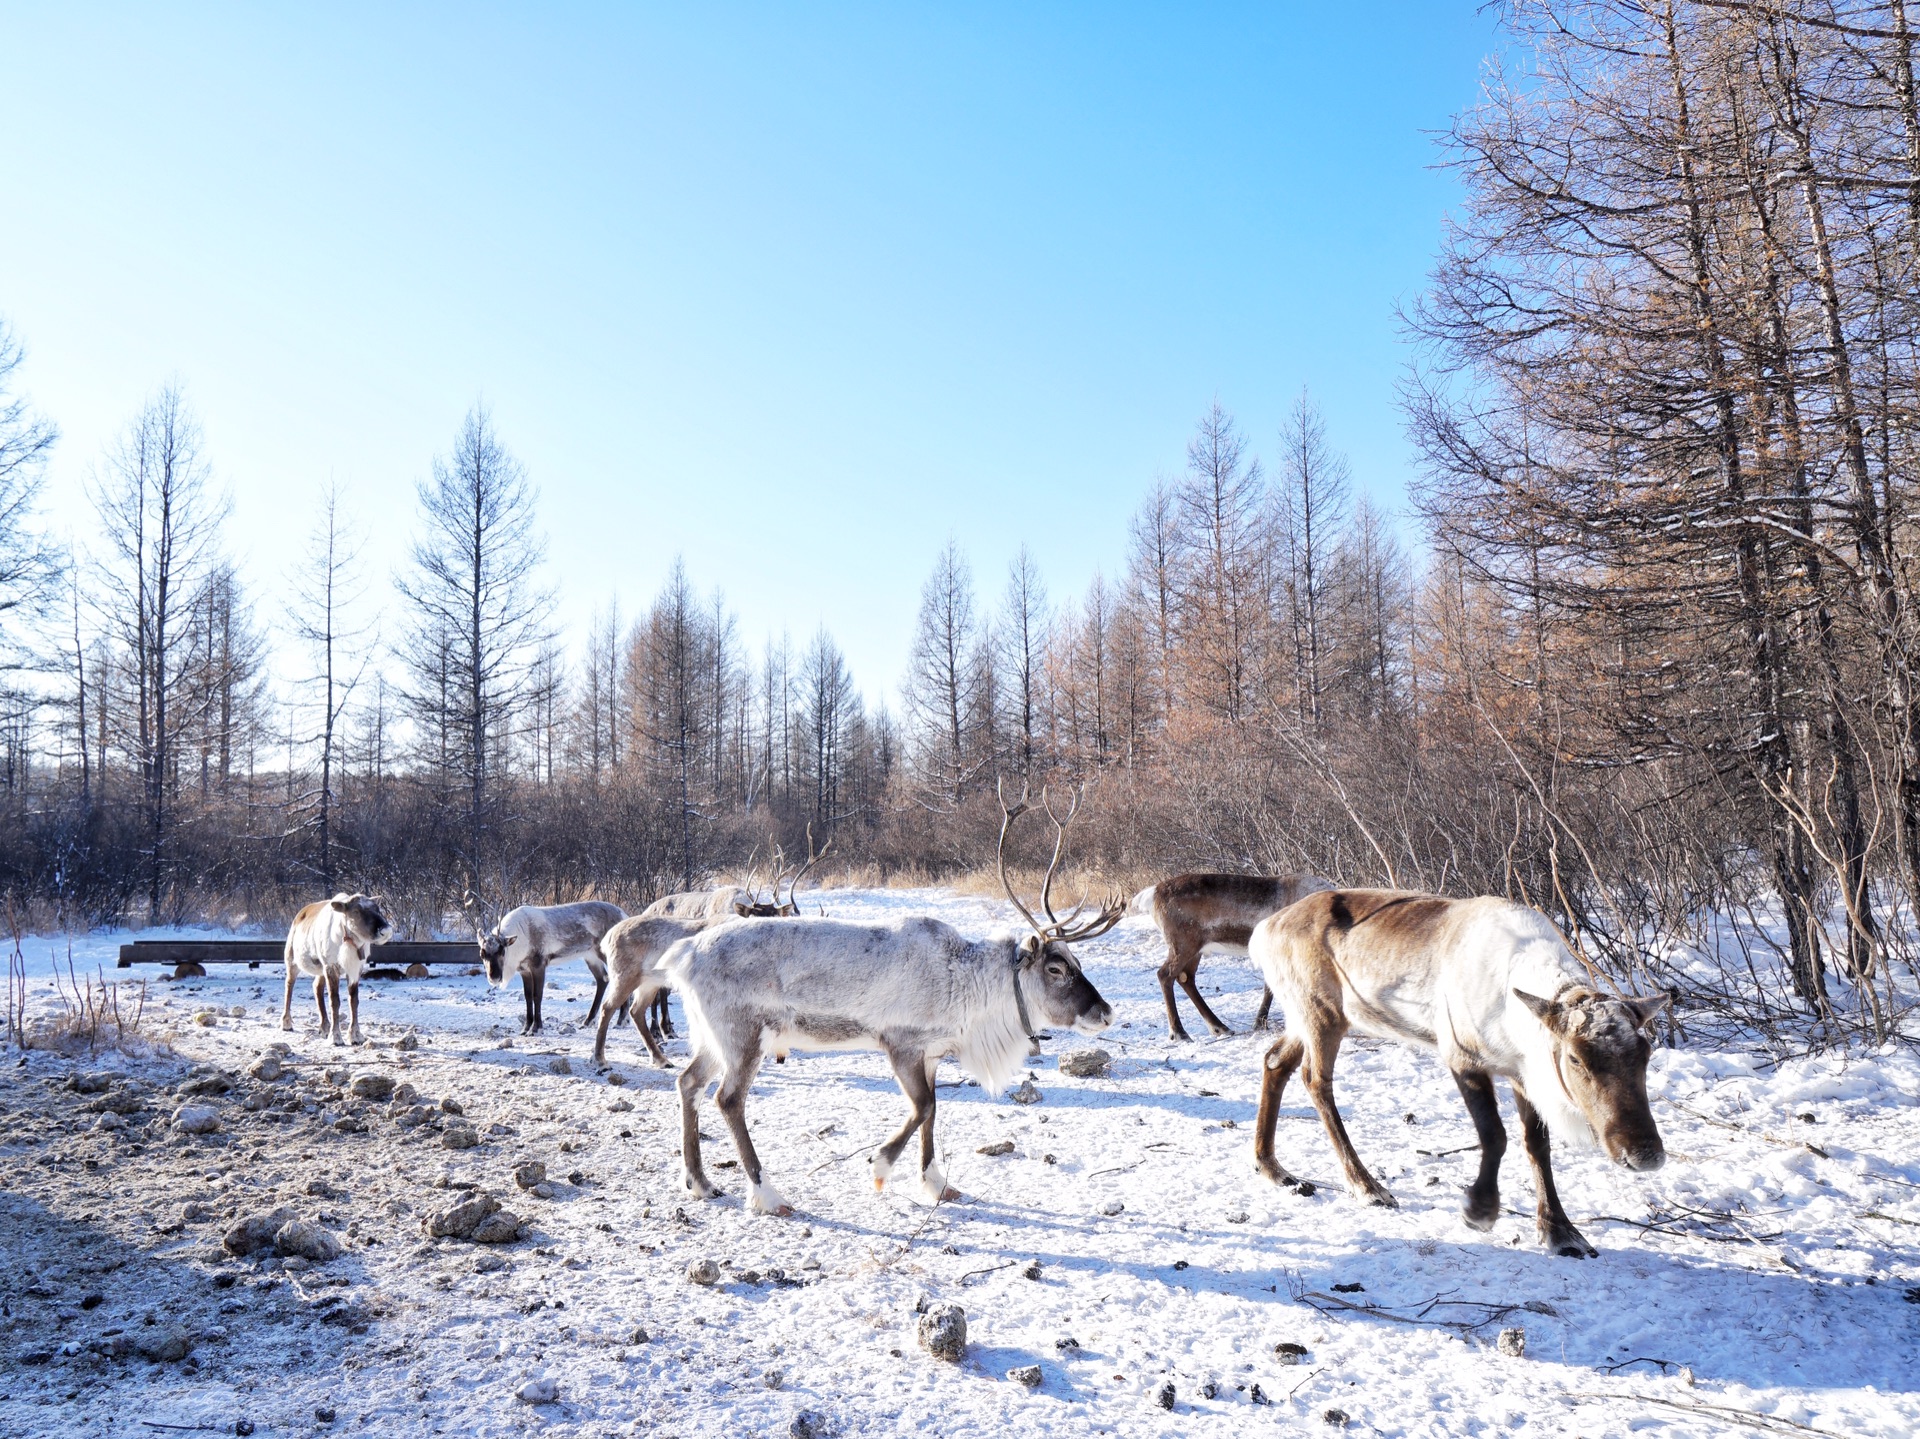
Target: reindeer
[(1490, 987), (530, 939), (632, 951), (1195, 912), (725, 902), (331, 940), (915, 989)]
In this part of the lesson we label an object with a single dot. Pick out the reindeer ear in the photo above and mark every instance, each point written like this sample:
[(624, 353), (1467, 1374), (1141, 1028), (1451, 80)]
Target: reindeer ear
[(1029, 948), (742, 910), (1545, 1010), (339, 904), (1647, 1008)]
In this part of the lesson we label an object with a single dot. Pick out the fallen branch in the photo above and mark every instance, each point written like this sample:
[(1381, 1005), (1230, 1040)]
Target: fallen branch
[(1757, 1133), (976, 1273), (1765, 1423), (1495, 1312)]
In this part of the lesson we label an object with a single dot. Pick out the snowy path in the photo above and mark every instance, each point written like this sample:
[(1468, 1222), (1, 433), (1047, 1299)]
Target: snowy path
[(1776, 1256)]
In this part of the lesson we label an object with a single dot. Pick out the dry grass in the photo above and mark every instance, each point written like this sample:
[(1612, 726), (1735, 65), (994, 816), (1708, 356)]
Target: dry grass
[(90, 1013)]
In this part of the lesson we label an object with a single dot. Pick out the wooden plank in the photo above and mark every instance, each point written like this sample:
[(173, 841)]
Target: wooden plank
[(257, 952)]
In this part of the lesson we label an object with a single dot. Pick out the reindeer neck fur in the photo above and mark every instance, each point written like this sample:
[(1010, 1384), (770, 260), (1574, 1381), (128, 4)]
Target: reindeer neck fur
[(994, 1046), (1543, 967)]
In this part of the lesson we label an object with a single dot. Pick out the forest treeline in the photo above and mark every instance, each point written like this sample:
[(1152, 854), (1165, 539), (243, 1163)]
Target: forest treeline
[(1651, 666)]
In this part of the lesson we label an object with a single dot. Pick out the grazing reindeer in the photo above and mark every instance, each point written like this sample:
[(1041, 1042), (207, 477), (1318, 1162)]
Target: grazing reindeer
[(915, 989), (1489, 986), (632, 951), (1195, 912), (724, 903), (532, 938), (331, 940)]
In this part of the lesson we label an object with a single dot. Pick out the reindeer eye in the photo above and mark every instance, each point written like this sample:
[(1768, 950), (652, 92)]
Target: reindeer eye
[(1056, 968), (1576, 1061)]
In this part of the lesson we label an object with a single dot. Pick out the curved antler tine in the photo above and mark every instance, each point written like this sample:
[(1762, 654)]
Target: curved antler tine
[(812, 859), (1000, 857), (1059, 848), (1111, 913), (1000, 792)]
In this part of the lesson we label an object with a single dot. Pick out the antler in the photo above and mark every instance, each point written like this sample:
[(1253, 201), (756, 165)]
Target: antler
[(1059, 848), (793, 888), (1009, 815)]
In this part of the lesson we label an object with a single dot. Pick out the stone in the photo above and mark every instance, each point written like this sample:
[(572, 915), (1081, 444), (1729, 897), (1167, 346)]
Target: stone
[(1287, 1352), (1512, 1343), (559, 1065), (616, 1079), (703, 1272), (995, 1150), (1335, 1417), (404, 1093), (324, 1414), (774, 1378), (1031, 1270), (1086, 1063), (205, 1080), (95, 1083), (1257, 1395), (371, 1084), (943, 1332), (163, 1343), (338, 1078), (504, 1227), (303, 1239), (1027, 1093), (196, 1119), (1112, 1207), (576, 1177), (257, 1232), (529, 1174), (206, 1018), (350, 1124), (809, 1424), (109, 1122), (193, 1212), (460, 1221), (1027, 1375), (620, 1106), (460, 1136), (1164, 1395), (322, 1189), (538, 1391), (450, 1105), (542, 1190), (490, 1263), (417, 970), (639, 1335)]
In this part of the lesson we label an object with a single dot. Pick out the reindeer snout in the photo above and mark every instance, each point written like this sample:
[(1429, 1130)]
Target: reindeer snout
[(1092, 1021), (1646, 1158)]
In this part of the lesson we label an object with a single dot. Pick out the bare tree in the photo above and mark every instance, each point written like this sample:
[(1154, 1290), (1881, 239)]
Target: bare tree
[(159, 521), (29, 565), (1312, 500), (944, 681), (1021, 639), (324, 594), (480, 609)]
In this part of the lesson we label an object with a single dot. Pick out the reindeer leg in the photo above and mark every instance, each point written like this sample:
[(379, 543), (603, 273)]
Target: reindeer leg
[(660, 1060), (1323, 1047), (693, 1079), (1214, 1021), (666, 1014), (286, 1008), (615, 1011), (1166, 974), (1283, 1057), (537, 994), (762, 1197), (526, 1003), (910, 1068), (353, 1008), (1266, 1004), (320, 1000), (1483, 1196), (598, 968), (1550, 1221), (933, 1180)]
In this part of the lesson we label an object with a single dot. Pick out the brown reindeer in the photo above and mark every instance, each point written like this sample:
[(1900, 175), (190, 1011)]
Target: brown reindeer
[(1491, 988), (1200, 911)]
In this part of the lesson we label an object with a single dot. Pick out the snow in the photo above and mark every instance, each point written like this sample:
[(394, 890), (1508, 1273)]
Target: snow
[(1768, 1270)]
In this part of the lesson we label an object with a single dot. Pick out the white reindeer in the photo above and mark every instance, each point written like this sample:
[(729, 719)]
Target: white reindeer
[(1490, 987), (330, 940), (531, 939), (915, 989)]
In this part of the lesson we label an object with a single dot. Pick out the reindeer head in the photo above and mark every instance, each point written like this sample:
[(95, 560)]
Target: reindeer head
[(1044, 960), (1600, 1053), (366, 921), (779, 908), (493, 954)]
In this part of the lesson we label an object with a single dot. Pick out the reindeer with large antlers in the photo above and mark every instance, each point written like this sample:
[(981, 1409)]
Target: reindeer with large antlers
[(915, 989)]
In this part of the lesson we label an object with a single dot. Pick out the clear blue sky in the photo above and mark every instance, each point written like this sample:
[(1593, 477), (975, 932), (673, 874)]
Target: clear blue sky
[(795, 291)]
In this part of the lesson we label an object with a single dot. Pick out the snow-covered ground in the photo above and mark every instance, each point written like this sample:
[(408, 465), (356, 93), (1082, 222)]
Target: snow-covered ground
[(1767, 1279)]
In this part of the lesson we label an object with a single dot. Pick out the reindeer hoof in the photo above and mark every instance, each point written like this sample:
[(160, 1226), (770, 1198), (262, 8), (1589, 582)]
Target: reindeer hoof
[(879, 1184), (1571, 1244), (1380, 1199), (949, 1194), (1480, 1216)]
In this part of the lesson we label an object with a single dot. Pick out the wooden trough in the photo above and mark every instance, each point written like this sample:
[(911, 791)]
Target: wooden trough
[(189, 957)]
